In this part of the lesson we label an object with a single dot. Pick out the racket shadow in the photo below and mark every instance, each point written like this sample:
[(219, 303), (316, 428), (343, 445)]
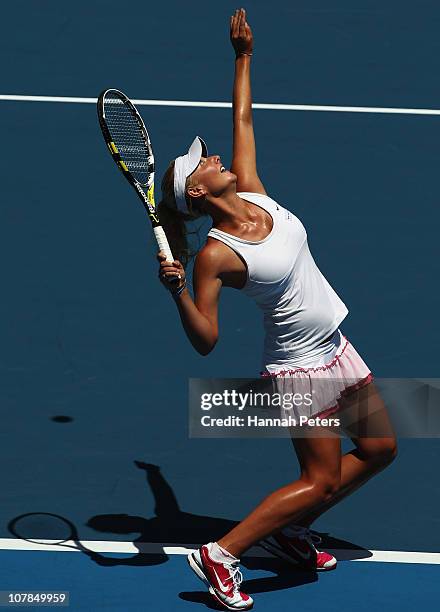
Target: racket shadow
[(54, 531), (57, 532)]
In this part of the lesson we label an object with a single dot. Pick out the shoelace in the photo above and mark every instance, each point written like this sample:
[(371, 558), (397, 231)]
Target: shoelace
[(311, 538), (314, 537), (235, 575)]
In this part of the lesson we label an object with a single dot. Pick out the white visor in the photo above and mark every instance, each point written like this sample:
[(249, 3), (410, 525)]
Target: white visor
[(183, 167)]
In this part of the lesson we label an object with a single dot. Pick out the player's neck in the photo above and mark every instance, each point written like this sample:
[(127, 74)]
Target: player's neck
[(229, 209)]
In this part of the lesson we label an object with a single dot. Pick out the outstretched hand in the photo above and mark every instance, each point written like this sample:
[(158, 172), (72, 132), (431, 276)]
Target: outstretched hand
[(241, 33)]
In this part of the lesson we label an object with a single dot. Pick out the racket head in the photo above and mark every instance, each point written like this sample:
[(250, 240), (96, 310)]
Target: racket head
[(126, 136), (43, 528), (129, 143)]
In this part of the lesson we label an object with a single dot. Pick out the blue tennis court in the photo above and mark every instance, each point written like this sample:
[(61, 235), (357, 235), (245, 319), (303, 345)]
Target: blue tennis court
[(95, 396)]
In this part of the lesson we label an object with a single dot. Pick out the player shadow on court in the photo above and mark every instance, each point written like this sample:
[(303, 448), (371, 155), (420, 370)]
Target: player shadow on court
[(171, 525)]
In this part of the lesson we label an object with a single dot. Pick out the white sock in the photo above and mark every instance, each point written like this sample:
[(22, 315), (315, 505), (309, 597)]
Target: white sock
[(219, 554)]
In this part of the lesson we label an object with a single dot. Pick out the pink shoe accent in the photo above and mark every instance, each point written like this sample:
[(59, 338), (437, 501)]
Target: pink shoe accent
[(300, 550), (325, 561), (223, 580)]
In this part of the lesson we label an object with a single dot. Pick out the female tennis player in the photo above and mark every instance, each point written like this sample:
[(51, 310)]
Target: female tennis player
[(259, 247)]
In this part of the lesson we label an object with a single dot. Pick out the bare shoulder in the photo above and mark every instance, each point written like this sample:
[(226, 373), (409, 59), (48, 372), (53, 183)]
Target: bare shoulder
[(212, 252), (212, 257)]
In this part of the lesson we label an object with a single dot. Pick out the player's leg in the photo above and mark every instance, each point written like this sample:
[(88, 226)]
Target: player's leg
[(319, 480), (216, 563), (295, 543), (364, 412)]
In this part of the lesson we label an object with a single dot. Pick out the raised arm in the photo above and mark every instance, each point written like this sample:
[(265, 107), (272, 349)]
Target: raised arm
[(244, 159)]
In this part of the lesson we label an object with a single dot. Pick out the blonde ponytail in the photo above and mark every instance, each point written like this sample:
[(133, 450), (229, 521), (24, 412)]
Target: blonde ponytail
[(173, 220)]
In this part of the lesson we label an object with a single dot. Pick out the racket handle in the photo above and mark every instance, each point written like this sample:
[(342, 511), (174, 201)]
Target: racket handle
[(163, 242)]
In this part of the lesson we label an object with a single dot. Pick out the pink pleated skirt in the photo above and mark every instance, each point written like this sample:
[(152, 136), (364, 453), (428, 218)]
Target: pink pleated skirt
[(316, 390)]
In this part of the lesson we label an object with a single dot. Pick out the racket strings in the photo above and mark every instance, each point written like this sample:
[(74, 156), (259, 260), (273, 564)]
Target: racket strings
[(129, 138)]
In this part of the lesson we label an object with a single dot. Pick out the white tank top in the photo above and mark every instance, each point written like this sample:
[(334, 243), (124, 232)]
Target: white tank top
[(300, 307)]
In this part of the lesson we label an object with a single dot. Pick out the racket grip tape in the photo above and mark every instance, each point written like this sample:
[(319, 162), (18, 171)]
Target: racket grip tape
[(163, 242)]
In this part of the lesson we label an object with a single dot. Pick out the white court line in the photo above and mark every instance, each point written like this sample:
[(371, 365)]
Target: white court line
[(381, 556), (256, 106)]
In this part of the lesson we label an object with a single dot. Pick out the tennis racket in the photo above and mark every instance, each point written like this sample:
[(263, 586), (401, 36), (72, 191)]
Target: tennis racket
[(129, 144)]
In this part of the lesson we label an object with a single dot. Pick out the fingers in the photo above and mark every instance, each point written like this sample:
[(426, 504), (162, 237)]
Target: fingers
[(240, 30), (169, 270), (235, 23), (161, 257), (242, 21), (164, 263), (246, 32), (169, 274)]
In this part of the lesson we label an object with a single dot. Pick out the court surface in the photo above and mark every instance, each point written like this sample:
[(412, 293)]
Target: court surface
[(88, 332)]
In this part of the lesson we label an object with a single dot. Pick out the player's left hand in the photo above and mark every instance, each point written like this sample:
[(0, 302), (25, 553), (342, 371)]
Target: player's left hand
[(241, 33)]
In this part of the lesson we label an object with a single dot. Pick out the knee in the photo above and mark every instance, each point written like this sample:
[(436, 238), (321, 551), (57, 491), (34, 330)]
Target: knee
[(381, 451), (324, 488), (389, 451)]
